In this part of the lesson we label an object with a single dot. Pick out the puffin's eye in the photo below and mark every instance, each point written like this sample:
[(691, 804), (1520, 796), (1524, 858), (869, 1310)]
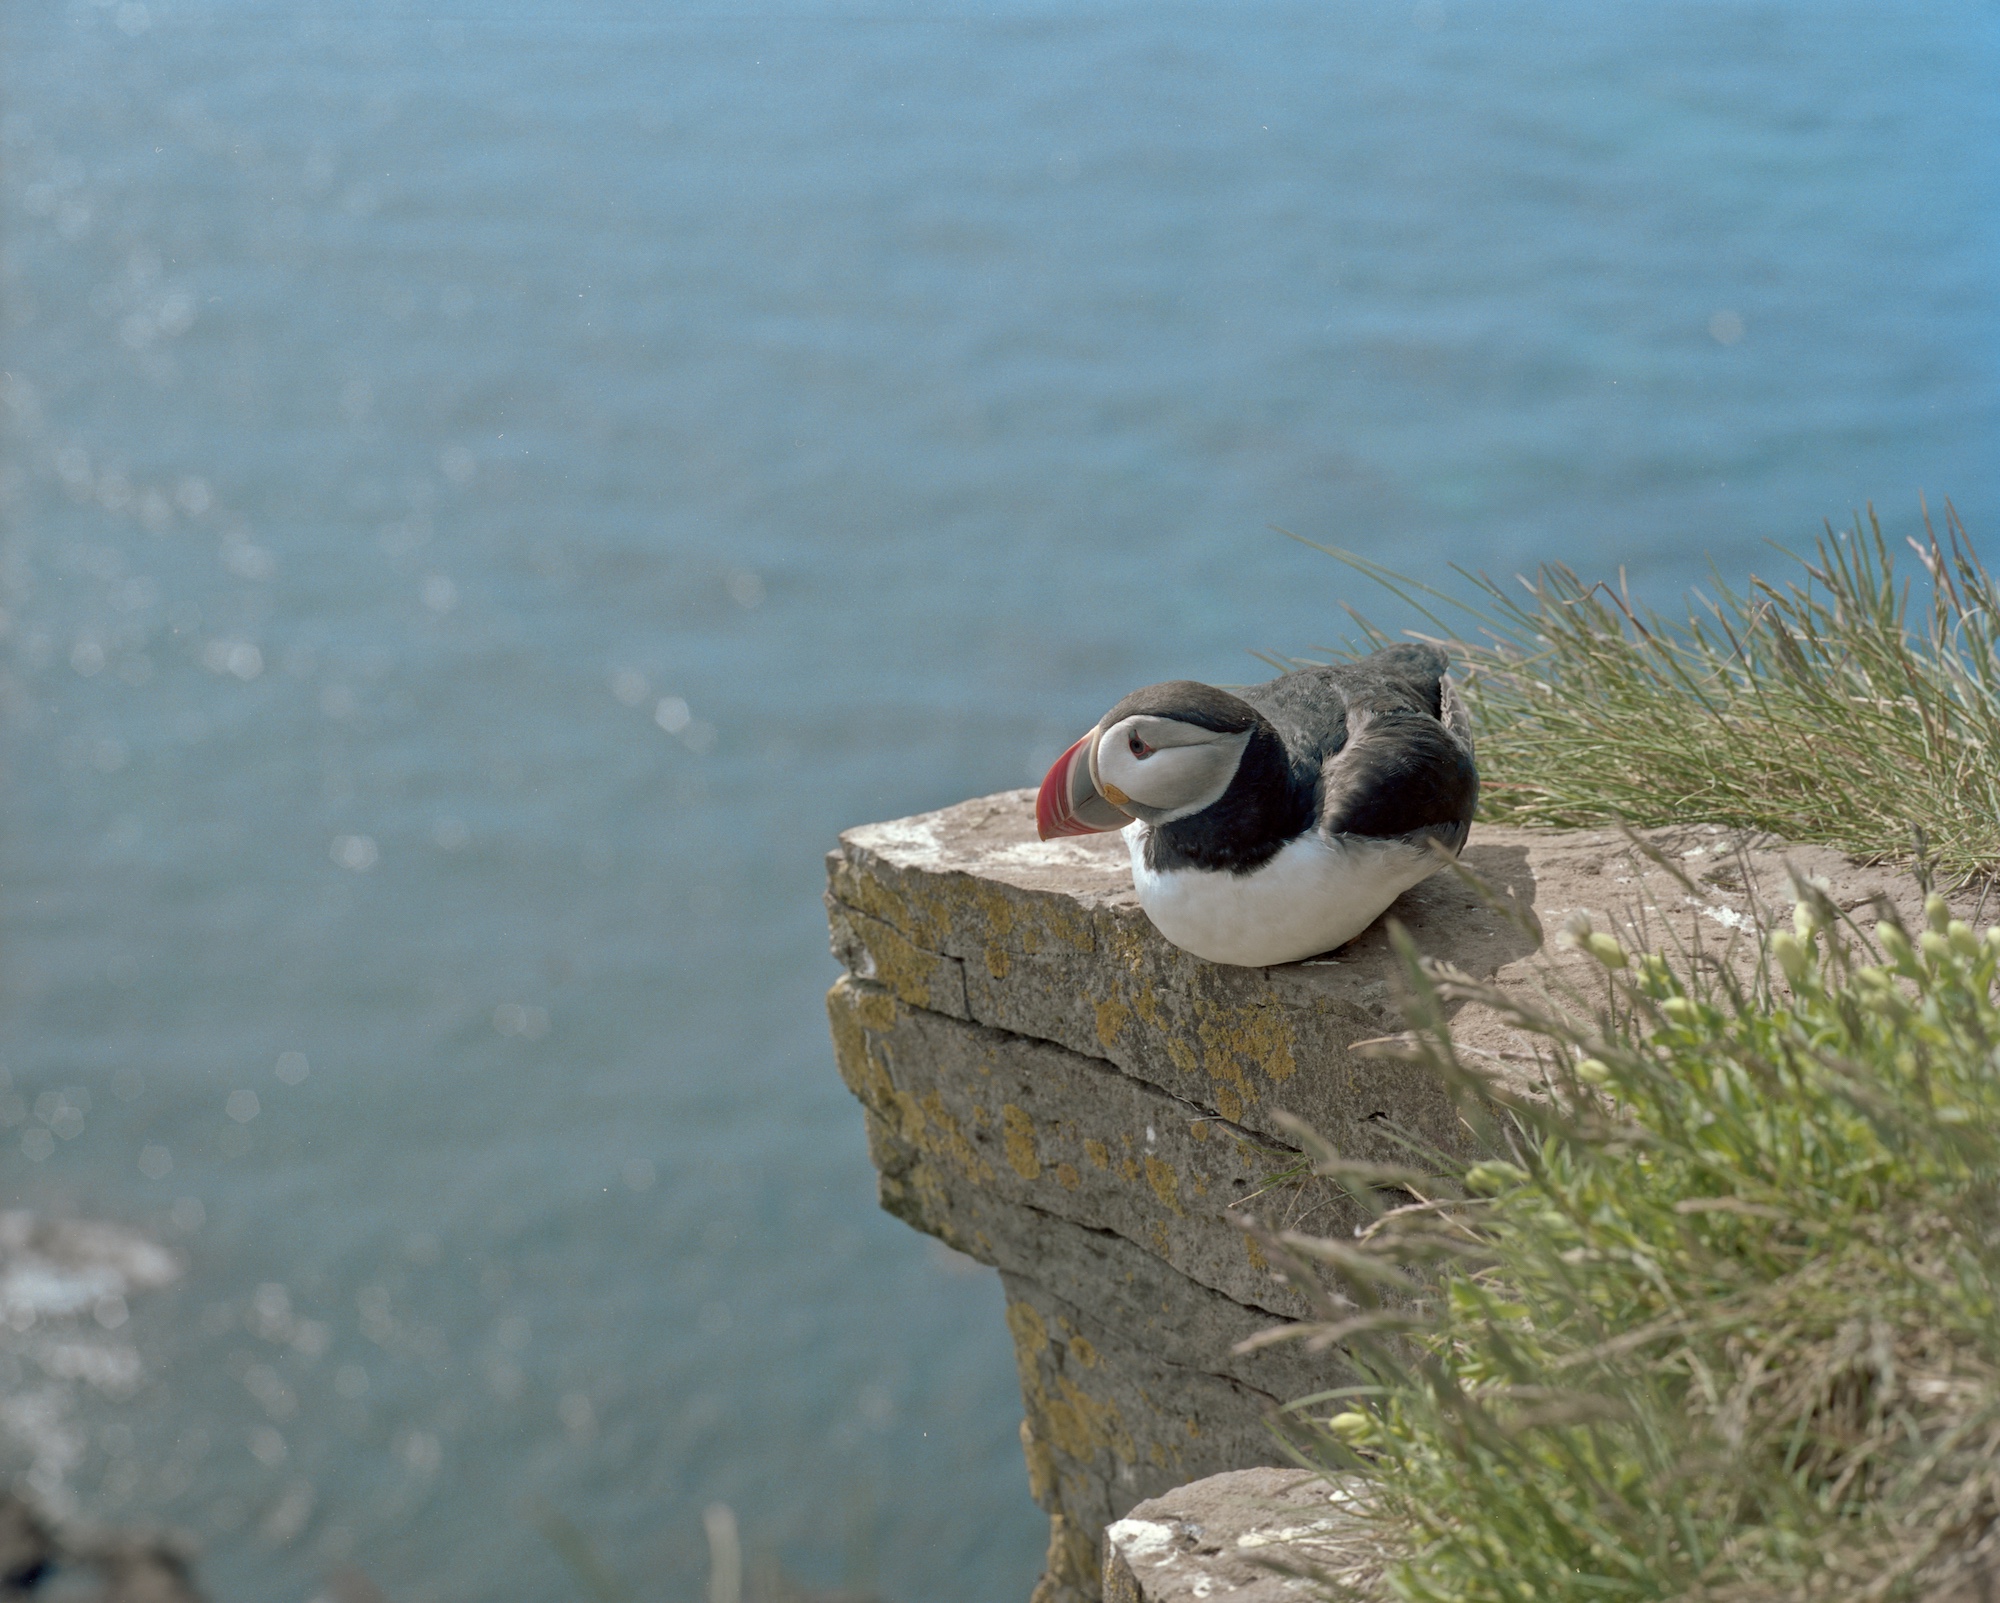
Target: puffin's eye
[(1139, 748)]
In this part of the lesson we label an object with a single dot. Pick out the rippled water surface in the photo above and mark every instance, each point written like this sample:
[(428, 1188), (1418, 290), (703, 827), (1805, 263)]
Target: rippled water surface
[(490, 493)]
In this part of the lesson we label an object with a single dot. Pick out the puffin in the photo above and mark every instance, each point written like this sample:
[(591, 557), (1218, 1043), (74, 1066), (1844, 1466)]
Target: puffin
[(1275, 822)]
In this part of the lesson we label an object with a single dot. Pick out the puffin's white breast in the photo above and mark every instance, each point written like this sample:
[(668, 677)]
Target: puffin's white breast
[(1312, 896)]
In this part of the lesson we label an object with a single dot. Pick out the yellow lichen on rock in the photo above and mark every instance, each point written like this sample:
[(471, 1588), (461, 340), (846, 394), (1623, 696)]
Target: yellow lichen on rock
[(1146, 1003), (1126, 943), (939, 1133), (1112, 1016), (933, 1198), (916, 912), (1019, 1136), (1070, 925), (1235, 1040), (850, 1006), (1071, 1567), (909, 970), (1075, 1424), (1041, 1466), (1031, 1334)]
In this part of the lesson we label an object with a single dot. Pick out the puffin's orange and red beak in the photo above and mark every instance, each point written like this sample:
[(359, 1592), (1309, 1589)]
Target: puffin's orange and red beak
[(1069, 802)]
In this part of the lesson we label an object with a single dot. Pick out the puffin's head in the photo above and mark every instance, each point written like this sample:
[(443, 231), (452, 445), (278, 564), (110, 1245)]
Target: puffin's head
[(1163, 753)]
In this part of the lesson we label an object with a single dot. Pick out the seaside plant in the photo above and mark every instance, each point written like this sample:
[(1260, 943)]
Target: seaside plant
[(1721, 1319), (1819, 708)]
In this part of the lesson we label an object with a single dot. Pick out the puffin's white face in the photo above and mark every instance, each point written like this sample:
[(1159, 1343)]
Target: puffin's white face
[(1159, 769)]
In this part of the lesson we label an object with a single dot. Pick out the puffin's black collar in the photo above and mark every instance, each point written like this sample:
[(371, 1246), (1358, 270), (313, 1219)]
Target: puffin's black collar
[(1267, 804)]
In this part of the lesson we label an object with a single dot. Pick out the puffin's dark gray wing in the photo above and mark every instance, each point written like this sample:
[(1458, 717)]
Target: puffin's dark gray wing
[(1401, 774), (1407, 768), (1390, 738), (1405, 678), (1308, 709)]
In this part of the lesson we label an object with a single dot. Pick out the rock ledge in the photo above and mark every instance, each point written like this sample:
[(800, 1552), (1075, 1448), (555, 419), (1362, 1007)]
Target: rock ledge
[(1052, 1088)]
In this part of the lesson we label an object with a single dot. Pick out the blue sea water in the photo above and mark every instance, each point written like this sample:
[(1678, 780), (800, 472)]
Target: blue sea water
[(489, 493)]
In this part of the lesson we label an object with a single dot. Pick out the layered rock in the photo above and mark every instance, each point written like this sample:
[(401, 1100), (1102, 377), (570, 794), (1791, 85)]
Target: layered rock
[(1052, 1088)]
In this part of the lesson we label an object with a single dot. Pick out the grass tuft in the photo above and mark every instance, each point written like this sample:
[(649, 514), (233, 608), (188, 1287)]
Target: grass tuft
[(1719, 1316), (1818, 709)]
